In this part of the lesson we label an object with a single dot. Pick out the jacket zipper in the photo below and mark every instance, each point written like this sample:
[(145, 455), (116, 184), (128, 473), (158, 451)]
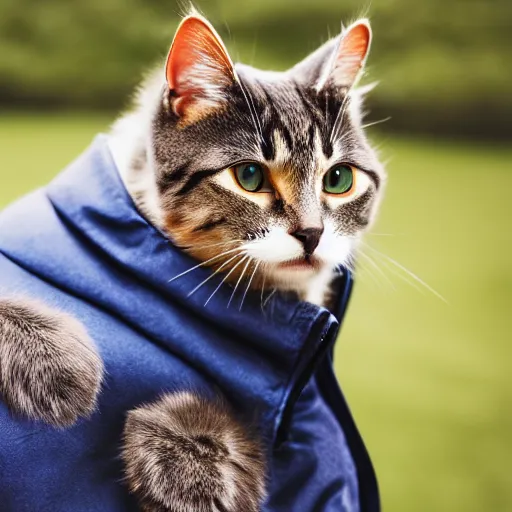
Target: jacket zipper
[(327, 337)]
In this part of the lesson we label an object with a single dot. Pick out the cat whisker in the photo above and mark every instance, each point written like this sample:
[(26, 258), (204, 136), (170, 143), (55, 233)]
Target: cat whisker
[(249, 285), (348, 264), (253, 53), (365, 271), (224, 280), (336, 120), (339, 119), (231, 242), (252, 110), (339, 270), (207, 246), (340, 139), (239, 279), (326, 98), (356, 271), (213, 274), (203, 263), (263, 290), (373, 123), (377, 268), (406, 272), (269, 296)]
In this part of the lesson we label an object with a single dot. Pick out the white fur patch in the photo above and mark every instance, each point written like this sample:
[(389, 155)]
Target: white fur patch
[(129, 136), (209, 78), (318, 287), (276, 247), (281, 149), (334, 248)]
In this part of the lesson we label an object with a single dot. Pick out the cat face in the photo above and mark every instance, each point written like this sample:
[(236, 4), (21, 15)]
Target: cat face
[(267, 177)]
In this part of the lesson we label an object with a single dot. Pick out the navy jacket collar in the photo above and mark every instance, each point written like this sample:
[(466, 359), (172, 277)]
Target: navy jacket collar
[(129, 276)]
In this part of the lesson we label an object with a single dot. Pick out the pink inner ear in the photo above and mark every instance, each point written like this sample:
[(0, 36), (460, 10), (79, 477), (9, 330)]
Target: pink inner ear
[(352, 54), (197, 65)]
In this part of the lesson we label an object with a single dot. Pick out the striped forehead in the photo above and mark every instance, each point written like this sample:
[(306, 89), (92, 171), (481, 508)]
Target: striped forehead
[(294, 131), (301, 132), (295, 168), (303, 154)]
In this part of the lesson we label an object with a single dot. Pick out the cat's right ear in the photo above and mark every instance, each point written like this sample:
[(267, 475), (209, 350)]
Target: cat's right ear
[(339, 63), (198, 70)]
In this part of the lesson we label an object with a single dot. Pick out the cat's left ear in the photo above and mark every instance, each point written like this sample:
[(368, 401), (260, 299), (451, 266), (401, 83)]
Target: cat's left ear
[(346, 63), (198, 69)]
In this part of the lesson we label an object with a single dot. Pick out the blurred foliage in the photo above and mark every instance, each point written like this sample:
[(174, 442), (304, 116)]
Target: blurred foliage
[(442, 65)]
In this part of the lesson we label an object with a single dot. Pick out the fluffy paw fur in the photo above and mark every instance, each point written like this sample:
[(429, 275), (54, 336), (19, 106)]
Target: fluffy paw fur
[(186, 454), (49, 367)]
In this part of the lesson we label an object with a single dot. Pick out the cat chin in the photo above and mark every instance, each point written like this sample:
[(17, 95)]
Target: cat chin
[(310, 283)]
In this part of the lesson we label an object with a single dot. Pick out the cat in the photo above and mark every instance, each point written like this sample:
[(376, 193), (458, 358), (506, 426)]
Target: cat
[(268, 179), (300, 130)]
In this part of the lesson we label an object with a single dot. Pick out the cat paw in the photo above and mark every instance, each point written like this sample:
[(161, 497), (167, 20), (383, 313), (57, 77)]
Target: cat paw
[(49, 367), (187, 454)]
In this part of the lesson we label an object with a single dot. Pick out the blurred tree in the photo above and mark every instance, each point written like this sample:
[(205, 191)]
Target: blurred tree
[(442, 66)]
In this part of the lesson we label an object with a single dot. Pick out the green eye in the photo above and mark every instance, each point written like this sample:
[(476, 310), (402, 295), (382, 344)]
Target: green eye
[(250, 176), (339, 179)]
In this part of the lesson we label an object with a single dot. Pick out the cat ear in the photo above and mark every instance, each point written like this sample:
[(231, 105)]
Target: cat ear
[(308, 71), (348, 59), (198, 69)]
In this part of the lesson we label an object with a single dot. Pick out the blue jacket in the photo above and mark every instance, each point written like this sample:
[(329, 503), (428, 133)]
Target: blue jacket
[(81, 245)]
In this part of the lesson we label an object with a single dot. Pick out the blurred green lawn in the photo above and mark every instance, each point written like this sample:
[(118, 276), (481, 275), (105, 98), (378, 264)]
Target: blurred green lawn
[(428, 381)]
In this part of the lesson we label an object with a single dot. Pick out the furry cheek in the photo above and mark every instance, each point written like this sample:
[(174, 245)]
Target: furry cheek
[(334, 248), (275, 247)]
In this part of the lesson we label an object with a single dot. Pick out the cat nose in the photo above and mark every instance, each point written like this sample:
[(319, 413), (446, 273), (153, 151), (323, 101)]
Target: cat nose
[(309, 238)]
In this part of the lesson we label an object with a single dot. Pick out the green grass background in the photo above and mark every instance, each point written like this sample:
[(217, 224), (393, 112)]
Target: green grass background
[(428, 381)]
